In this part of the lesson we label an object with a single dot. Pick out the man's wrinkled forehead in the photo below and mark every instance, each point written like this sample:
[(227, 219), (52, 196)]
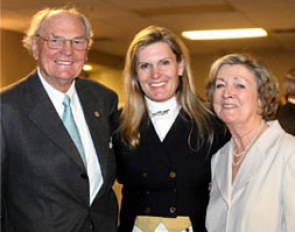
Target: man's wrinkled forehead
[(53, 18)]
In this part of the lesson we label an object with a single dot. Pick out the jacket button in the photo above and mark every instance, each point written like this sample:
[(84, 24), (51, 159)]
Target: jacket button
[(172, 174), (91, 227), (172, 209), (147, 210), (96, 114)]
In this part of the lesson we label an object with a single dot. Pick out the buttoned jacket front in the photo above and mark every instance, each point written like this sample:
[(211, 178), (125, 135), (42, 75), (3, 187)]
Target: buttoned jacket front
[(165, 179), (261, 198), (44, 184)]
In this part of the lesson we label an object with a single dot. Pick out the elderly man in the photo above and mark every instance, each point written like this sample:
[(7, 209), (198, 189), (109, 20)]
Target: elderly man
[(57, 163)]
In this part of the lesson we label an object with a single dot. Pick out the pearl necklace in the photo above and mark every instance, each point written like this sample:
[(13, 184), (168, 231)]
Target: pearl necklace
[(247, 148)]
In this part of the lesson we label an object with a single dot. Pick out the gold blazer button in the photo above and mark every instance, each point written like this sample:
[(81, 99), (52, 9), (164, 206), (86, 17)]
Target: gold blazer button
[(147, 210), (96, 114), (172, 174), (172, 209)]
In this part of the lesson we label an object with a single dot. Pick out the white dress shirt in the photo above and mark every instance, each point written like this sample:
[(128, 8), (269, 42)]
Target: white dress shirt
[(92, 163)]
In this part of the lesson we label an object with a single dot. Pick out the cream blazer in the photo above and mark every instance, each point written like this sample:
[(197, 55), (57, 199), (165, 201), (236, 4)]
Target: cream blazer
[(262, 197)]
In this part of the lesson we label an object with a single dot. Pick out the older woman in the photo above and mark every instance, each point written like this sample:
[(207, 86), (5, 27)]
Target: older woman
[(253, 175), (165, 139)]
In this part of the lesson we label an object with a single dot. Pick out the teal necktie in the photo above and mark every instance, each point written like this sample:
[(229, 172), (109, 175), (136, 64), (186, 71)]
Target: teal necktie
[(69, 123)]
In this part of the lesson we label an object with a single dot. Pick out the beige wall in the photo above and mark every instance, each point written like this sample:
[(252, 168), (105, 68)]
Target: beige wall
[(16, 63), (279, 61), (110, 77), (15, 60)]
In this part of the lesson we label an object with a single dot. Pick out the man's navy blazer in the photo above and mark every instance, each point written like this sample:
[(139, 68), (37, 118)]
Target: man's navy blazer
[(44, 185)]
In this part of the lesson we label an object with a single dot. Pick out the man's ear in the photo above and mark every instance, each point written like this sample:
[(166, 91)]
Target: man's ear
[(34, 46)]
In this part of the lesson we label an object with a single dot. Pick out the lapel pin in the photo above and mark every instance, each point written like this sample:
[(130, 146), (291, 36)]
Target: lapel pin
[(96, 114)]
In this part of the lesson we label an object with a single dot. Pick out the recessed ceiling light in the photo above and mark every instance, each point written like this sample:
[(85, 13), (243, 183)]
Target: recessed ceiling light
[(87, 67), (225, 34)]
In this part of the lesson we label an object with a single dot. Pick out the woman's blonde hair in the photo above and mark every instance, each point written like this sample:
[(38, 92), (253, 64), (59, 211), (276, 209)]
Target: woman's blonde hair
[(135, 110)]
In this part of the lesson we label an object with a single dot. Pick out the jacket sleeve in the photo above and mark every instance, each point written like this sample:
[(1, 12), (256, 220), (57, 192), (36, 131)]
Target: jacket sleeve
[(3, 158), (288, 190)]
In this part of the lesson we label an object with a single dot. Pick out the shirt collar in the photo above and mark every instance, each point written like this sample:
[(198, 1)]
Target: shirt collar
[(162, 108), (57, 96), (54, 92)]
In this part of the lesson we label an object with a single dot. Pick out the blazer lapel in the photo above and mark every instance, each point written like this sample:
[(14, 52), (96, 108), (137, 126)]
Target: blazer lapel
[(254, 160), (223, 166), (92, 112), (249, 168), (223, 172), (45, 117)]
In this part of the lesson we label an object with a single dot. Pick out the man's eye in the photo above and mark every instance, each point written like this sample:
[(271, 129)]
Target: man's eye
[(76, 41), (55, 40)]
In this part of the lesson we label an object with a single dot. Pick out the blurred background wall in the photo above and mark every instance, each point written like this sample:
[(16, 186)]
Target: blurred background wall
[(16, 63)]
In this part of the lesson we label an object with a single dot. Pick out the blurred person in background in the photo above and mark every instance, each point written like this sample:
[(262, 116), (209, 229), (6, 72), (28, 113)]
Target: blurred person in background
[(286, 112)]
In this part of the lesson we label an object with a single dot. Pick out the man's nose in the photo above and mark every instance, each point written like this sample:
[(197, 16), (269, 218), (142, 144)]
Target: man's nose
[(67, 47)]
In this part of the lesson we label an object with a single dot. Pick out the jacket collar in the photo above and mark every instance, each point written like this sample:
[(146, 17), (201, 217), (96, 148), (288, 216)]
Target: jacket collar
[(250, 167)]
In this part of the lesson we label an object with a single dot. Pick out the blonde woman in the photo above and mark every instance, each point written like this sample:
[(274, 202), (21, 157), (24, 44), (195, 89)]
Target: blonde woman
[(165, 139)]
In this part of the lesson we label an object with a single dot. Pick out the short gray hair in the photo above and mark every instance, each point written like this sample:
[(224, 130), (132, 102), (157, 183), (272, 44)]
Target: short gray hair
[(39, 18), (267, 84)]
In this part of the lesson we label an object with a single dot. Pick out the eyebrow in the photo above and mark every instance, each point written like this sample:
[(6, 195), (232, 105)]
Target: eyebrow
[(219, 79), (76, 37), (165, 58)]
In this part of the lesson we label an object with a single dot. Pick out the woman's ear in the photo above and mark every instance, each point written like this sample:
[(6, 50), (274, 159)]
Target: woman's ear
[(260, 106), (259, 103), (181, 67)]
